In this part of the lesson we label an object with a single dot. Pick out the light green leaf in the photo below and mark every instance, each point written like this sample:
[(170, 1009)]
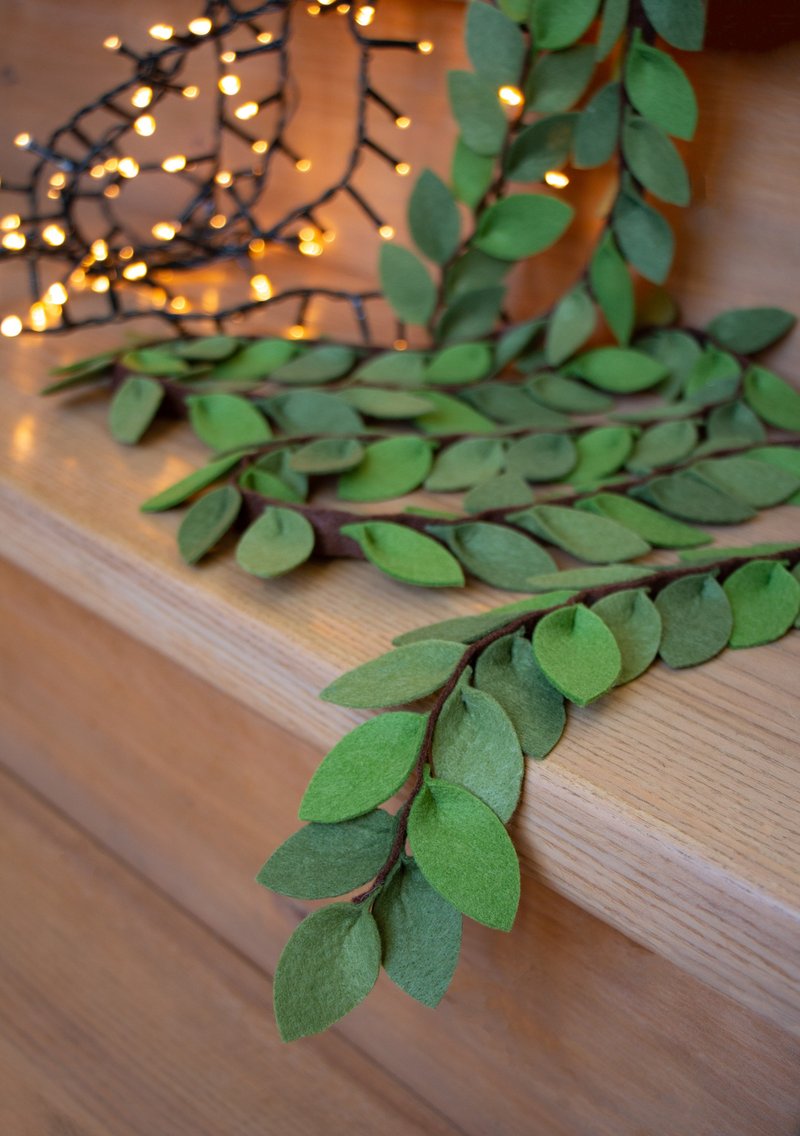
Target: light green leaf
[(208, 349), (507, 491), (652, 525), (133, 408), (516, 9), (452, 416), (680, 22), (577, 653), (694, 498), (207, 521), (601, 452), (615, 16), (508, 670), (772, 399), (433, 215), (597, 129), (405, 368), (378, 403), (81, 371), (278, 541), (318, 365), (187, 487), (522, 225), (696, 620), (612, 287), (496, 554), (398, 677), (468, 628), (622, 370), (713, 378), (654, 161), (659, 89), (327, 455), (255, 360), (765, 599), (541, 147), (786, 457), (225, 421), (587, 536), (477, 110), (635, 623), (558, 79), (269, 482), (495, 45), (406, 284), (406, 555), (542, 457), (561, 393), (471, 174), (583, 578), (759, 484), (665, 444), (570, 325), (644, 237), (304, 412), (463, 363), (390, 468), (158, 361), (555, 24), (464, 464)]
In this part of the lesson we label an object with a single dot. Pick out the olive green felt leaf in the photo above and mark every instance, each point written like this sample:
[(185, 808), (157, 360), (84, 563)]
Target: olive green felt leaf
[(187, 487), (420, 933), (601, 452), (406, 284), (398, 677), (255, 360), (507, 403), (555, 24), (207, 521), (543, 146), (452, 416), (471, 174), (759, 484), (463, 363), (276, 542), (225, 421), (665, 444), (772, 399), (468, 628), (597, 129), (577, 653), (584, 535), (329, 965), (635, 623), (495, 44), (680, 22), (496, 554), (582, 578), (471, 315), (313, 412), (561, 393), (465, 464), (644, 237), (713, 378), (693, 498), (323, 860), (508, 670), (157, 361), (765, 599), (508, 491), (615, 15), (390, 468), (317, 365), (327, 455), (612, 287), (406, 555), (654, 161), (659, 89), (393, 404), (402, 368), (747, 330), (652, 525), (542, 457), (570, 325), (696, 620), (209, 349), (365, 768), (133, 408), (514, 341), (433, 217), (521, 225), (622, 370), (558, 79), (477, 110), (465, 853)]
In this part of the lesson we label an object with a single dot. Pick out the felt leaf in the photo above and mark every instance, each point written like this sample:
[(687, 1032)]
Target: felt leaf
[(474, 271), (273, 476), (81, 371), (393, 404), (318, 365), (468, 628), (587, 536), (504, 492), (328, 966), (543, 146), (477, 110), (561, 393), (612, 287), (772, 399), (420, 933), (187, 487), (644, 237), (633, 620), (696, 620), (659, 89), (464, 464), (225, 421), (521, 225), (255, 360), (765, 599), (495, 44), (365, 768), (597, 129), (654, 161), (622, 370), (713, 378), (275, 543), (583, 578), (508, 403), (555, 24), (542, 457), (678, 352), (404, 368), (207, 521), (601, 452), (398, 677), (268, 485), (471, 174), (570, 325), (471, 315), (577, 653), (463, 363), (757, 483), (158, 361), (508, 670), (785, 457), (515, 340), (327, 455), (558, 79), (732, 424), (615, 16), (323, 860), (680, 22), (718, 552), (390, 468), (406, 284), (747, 330), (433, 217), (313, 412), (650, 524), (208, 349), (518, 10), (406, 555), (495, 553), (693, 498), (665, 444), (133, 408), (452, 416), (465, 853)]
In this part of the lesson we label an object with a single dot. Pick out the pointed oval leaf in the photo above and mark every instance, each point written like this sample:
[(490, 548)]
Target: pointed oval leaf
[(615, 16), (765, 599), (496, 554), (654, 161), (522, 225), (508, 670), (585, 578), (515, 406), (465, 464), (406, 284), (464, 363), (555, 24), (693, 498), (634, 621), (758, 483), (597, 130), (389, 468), (398, 677), (207, 521), (187, 487), (468, 628), (391, 404), (317, 365), (495, 45), (680, 22), (650, 524), (644, 237), (133, 408), (406, 555), (506, 491), (622, 370), (400, 368), (560, 393), (601, 452), (255, 360), (471, 174), (577, 653), (207, 349), (570, 325), (747, 330), (542, 457), (613, 288), (225, 421), (696, 620), (433, 217), (278, 541), (558, 79), (660, 90), (327, 455), (665, 444), (772, 399), (452, 416), (587, 536), (477, 110)]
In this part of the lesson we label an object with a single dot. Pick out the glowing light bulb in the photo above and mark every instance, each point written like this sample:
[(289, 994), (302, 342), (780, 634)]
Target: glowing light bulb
[(9, 222), (511, 96), (296, 331), (311, 248), (424, 47), (260, 146), (190, 92), (99, 250), (257, 247), (365, 15), (224, 178), (112, 43), (400, 344), (111, 191), (111, 164), (307, 233), (200, 26), (145, 125), (158, 298), (56, 294), (11, 327), (313, 9), (386, 232), (179, 304), (38, 317), (161, 32), (77, 279), (58, 181), (262, 286), (135, 271), (164, 230), (142, 97), (403, 169), (247, 110), (100, 284), (23, 140), (556, 179), (128, 167), (174, 163), (343, 8), (228, 57), (98, 171), (54, 235), (218, 221), (264, 37), (402, 122), (14, 241), (303, 165), (329, 236), (230, 84), (126, 253)]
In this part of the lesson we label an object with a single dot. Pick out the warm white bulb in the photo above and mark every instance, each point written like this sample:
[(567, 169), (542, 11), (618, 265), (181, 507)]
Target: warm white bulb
[(556, 179), (230, 84), (402, 122), (303, 165), (145, 125), (262, 286), (228, 57), (246, 110), (112, 43), (135, 271), (190, 92), (174, 163), (162, 32), (424, 47), (200, 26), (218, 221), (510, 96), (9, 222), (99, 250), (403, 169), (11, 327), (14, 241), (365, 15), (142, 97), (260, 146), (54, 235), (264, 37), (38, 317), (100, 284), (23, 140), (311, 248), (296, 331), (387, 232), (56, 294), (164, 230)]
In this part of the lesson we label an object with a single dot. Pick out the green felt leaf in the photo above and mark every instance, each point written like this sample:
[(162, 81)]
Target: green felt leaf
[(473, 271), (464, 464), (555, 24), (785, 457), (365, 768), (433, 216), (570, 325), (612, 287), (732, 424), (207, 521), (582, 578), (644, 237), (718, 552), (765, 599), (157, 361), (187, 487), (558, 79), (622, 370), (477, 110), (465, 853), (275, 543), (713, 378), (317, 365), (588, 536), (404, 368), (772, 399), (561, 393), (759, 484), (392, 404), (468, 628), (543, 146), (680, 22), (514, 341), (601, 452), (471, 174), (508, 670), (81, 371), (406, 555), (133, 408), (327, 455), (389, 468), (665, 444), (597, 129), (506, 491), (654, 161), (634, 621), (208, 349), (406, 284), (678, 352), (510, 404), (521, 225), (256, 360), (421, 935), (452, 416), (615, 15), (693, 498), (226, 421), (495, 553), (659, 89), (747, 330), (471, 315), (272, 476), (577, 653), (542, 457), (650, 524), (398, 677), (696, 620), (328, 966), (463, 363), (518, 10), (313, 412), (495, 44)]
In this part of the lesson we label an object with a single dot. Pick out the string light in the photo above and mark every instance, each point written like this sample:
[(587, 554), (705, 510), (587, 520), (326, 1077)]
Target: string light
[(296, 331), (218, 221), (145, 125), (174, 163), (257, 247), (246, 111), (313, 9), (230, 84), (164, 231), (99, 250), (111, 191), (403, 169), (179, 304), (228, 57), (190, 92), (23, 141), (400, 344), (264, 37), (14, 241), (9, 222), (162, 32), (556, 179), (386, 232), (303, 165), (365, 15), (311, 248), (511, 96), (56, 294), (142, 97), (100, 284), (262, 286), (38, 316), (112, 43), (425, 47), (128, 167), (402, 122), (54, 235), (58, 181), (11, 327), (260, 146), (126, 253), (224, 178), (98, 171), (111, 164), (135, 271), (200, 26)]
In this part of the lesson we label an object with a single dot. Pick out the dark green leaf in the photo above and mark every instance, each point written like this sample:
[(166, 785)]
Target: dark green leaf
[(558, 79), (577, 653), (473, 271), (555, 24), (495, 45), (786, 457), (601, 452), (508, 670), (515, 406), (158, 361), (378, 403), (587, 536), (313, 412), (278, 541), (327, 455), (464, 363), (659, 89), (255, 360), (570, 325), (696, 620), (678, 352), (468, 628), (506, 491), (433, 215), (694, 498), (561, 393), (390, 468), (471, 174), (654, 161), (318, 365), (496, 554), (471, 315), (581, 578), (452, 416), (764, 598), (478, 112), (133, 408), (406, 555), (542, 457), (522, 225), (652, 525), (464, 464), (613, 288), (514, 341), (615, 16), (747, 330), (772, 399), (644, 237), (665, 444), (597, 129), (680, 22), (398, 677), (405, 368), (633, 620), (209, 349), (207, 521), (759, 484), (406, 284), (733, 424), (187, 487), (225, 421), (622, 370), (541, 147)]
